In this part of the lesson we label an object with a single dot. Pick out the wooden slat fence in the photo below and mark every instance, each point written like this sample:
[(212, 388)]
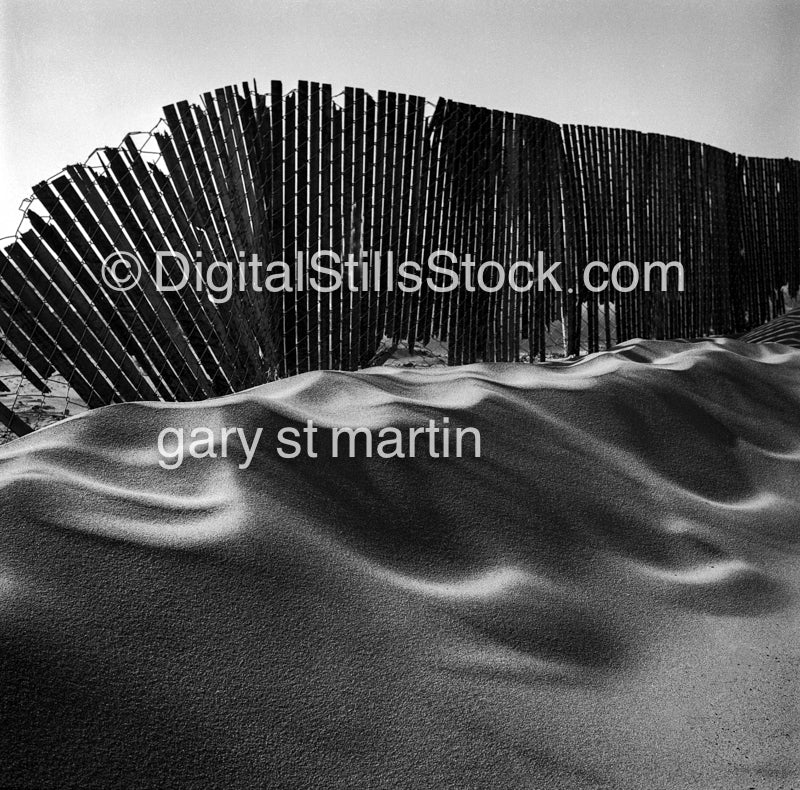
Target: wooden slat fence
[(275, 175)]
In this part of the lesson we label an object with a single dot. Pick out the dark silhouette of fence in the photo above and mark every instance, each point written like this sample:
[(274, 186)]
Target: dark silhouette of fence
[(276, 174)]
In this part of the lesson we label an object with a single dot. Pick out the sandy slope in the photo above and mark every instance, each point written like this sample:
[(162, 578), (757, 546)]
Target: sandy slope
[(607, 598)]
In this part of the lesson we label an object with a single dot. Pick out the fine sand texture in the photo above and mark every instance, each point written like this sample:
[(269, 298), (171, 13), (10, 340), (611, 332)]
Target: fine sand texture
[(606, 598)]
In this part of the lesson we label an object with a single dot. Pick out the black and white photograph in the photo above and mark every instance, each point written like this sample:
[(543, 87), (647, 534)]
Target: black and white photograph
[(400, 395)]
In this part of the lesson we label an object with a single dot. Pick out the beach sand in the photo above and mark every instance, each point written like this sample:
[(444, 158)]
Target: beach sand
[(606, 598), (35, 408)]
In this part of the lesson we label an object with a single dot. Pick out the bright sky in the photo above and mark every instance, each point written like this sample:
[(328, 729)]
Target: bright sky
[(77, 75)]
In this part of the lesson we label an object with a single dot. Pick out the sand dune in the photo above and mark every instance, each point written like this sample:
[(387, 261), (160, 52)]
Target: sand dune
[(607, 598)]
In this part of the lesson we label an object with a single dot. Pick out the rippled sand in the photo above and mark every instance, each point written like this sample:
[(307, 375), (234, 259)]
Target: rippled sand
[(607, 598)]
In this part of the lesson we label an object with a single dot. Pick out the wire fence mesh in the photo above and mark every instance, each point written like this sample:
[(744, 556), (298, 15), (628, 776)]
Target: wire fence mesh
[(370, 182)]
